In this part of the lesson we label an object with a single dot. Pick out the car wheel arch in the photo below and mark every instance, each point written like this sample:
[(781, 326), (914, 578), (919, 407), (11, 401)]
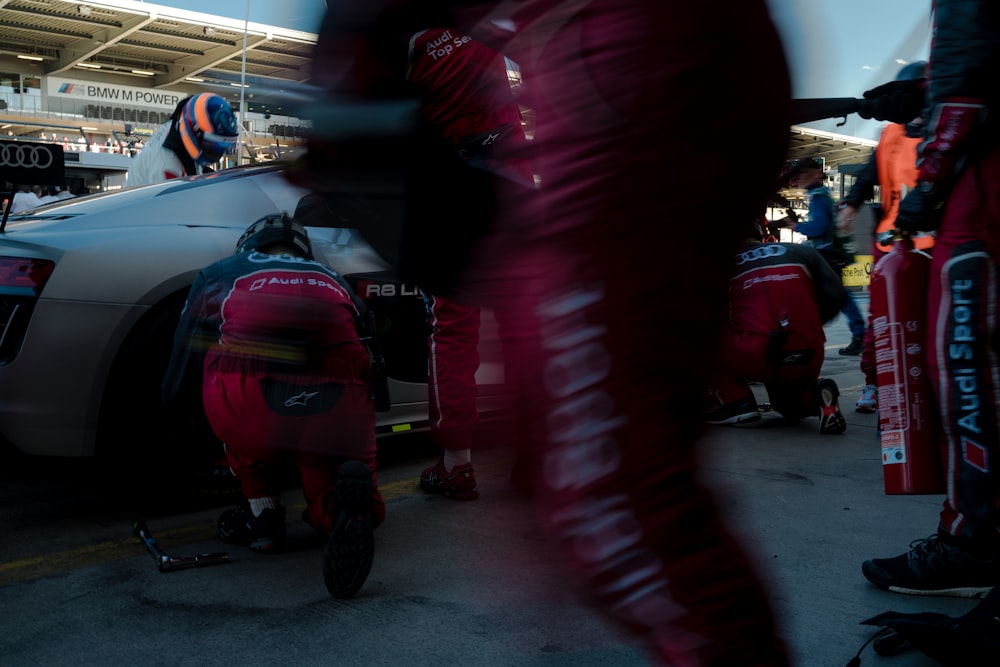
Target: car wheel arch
[(133, 426)]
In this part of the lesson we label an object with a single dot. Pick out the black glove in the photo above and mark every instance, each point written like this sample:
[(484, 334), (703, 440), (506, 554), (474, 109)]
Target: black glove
[(920, 210), (896, 101)]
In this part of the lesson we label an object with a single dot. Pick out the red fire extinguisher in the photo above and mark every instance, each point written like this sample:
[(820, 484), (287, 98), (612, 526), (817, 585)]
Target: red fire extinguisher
[(911, 458)]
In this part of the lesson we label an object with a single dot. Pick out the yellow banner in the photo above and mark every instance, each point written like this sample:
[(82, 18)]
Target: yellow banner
[(858, 274)]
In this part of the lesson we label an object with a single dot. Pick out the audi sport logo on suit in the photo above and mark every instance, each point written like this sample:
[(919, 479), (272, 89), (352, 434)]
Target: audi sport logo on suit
[(31, 163)]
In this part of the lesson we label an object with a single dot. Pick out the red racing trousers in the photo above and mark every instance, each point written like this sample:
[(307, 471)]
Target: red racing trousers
[(451, 372), (261, 443), (963, 358), (791, 389), (615, 305)]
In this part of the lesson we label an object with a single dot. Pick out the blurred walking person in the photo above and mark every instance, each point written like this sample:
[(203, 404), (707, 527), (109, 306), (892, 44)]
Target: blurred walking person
[(627, 103), (628, 99)]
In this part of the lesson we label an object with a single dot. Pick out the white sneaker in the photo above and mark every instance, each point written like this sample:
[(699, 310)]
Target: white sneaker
[(869, 399)]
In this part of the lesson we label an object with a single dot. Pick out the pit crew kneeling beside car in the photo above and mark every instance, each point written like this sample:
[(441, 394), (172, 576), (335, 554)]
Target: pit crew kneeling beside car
[(273, 343), (779, 298)]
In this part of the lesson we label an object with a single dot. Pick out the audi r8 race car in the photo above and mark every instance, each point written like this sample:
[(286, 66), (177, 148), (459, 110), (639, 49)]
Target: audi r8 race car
[(91, 289)]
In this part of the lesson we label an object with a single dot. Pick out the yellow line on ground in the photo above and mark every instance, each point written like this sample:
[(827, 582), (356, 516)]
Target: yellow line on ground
[(34, 567), (40, 566), (105, 552)]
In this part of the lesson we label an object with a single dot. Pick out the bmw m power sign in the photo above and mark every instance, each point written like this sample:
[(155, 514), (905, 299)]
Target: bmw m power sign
[(32, 163)]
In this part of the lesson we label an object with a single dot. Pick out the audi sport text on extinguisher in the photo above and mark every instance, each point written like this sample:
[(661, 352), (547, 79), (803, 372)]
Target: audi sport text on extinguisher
[(911, 459)]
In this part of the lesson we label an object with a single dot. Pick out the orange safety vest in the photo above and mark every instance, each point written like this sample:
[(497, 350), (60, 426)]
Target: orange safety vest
[(896, 161)]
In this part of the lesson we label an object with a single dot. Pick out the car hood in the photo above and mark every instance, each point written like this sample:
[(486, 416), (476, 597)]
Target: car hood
[(232, 200), (134, 245)]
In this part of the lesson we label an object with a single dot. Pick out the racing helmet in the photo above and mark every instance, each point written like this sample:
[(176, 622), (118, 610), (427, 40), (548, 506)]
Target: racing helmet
[(207, 127), (276, 228), (915, 70)]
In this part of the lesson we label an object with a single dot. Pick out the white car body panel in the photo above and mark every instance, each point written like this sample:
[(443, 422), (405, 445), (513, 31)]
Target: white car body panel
[(117, 255)]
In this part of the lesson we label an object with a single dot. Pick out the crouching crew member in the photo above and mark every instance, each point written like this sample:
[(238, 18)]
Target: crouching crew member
[(273, 342), (779, 298)]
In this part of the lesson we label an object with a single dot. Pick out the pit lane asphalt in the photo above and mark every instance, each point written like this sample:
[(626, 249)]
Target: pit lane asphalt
[(452, 583)]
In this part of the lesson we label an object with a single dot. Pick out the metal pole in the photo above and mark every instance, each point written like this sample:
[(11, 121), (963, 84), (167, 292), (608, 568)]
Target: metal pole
[(10, 204), (243, 86)]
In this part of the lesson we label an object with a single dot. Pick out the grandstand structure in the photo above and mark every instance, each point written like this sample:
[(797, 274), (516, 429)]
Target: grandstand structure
[(99, 76)]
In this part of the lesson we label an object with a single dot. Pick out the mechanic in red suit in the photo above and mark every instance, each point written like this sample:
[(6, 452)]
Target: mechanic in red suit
[(958, 196), (467, 99), (272, 342), (468, 111), (595, 277), (779, 298)]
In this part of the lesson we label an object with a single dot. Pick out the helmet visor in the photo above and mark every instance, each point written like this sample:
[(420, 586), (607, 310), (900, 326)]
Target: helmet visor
[(214, 146)]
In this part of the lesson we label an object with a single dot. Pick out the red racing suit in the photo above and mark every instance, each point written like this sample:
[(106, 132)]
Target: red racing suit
[(453, 359), (467, 99), (960, 160), (780, 297), (284, 376), (610, 313), (613, 312)]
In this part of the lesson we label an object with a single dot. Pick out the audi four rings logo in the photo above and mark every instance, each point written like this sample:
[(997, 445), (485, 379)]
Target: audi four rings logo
[(25, 156)]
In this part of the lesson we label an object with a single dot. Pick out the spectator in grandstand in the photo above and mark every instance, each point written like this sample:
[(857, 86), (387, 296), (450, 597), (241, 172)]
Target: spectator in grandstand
[(201, 129), (47, 196), (26, 198)]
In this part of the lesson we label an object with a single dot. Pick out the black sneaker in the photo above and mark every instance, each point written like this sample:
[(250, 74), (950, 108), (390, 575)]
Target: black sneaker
[(934, 566), (855, 347), (350, 549), (831, 419), (459, 484), (737, 412), (264, 534)]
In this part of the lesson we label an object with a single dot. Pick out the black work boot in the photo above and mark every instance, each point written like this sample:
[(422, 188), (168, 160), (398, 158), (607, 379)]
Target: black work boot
[(856, 345)]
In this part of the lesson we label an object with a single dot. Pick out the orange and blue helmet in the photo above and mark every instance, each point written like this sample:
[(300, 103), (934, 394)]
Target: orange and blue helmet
[(207, 127)]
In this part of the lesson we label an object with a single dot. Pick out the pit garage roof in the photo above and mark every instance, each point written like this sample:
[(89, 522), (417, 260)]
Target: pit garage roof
[(835, 149), (191, 51), (143, 44)]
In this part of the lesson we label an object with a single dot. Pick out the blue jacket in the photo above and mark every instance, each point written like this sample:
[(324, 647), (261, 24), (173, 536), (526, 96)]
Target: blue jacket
[(818, 228)]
